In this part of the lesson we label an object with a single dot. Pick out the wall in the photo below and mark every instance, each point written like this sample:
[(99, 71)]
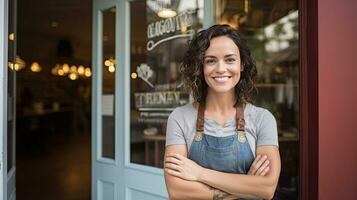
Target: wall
[(337, 32)]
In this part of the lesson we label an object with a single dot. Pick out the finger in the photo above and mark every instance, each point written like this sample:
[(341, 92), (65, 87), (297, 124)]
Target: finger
[(173, 172), (265, 171), (250, 172), (169, 164), (173, 167), (256, 159), (172, 159), (262, 167), (260, 163), (178, 156)]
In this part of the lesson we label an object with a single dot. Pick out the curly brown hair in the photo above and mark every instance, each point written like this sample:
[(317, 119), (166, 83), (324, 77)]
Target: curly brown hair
[(192, 65)]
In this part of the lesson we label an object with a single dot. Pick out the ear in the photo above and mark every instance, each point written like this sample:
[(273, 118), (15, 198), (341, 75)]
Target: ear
[(242, 67)]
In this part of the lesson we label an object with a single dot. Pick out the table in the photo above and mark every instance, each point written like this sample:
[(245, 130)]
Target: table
[(156, 139)]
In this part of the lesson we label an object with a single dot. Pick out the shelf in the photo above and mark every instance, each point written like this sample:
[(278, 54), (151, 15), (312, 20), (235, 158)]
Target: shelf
[(273, 85), (288, 139), (154, 137)]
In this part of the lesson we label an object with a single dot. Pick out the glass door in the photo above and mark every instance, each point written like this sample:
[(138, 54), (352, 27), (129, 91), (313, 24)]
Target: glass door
[(106, 170), (8, 68)]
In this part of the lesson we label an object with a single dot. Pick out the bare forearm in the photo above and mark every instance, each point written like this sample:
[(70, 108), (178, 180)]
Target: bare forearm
[(246, 186), (182, 189)]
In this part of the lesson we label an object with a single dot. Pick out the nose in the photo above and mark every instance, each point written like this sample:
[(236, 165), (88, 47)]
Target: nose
[(221, 66)]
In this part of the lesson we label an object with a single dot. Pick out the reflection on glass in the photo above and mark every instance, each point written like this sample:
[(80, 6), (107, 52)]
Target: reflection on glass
[(108, 94), (159, 35), (11, 89), (271, 30)]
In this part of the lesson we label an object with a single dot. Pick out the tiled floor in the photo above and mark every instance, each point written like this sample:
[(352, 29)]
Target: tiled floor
[(59, 170)]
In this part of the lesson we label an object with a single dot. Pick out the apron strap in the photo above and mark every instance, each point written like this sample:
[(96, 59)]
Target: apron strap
[(240, 122), (200, 118)]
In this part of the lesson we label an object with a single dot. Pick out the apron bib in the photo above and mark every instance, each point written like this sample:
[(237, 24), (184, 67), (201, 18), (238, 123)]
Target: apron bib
[(230, 154)]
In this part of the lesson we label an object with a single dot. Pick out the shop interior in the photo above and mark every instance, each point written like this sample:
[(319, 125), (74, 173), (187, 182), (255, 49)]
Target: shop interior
[(53, 99)]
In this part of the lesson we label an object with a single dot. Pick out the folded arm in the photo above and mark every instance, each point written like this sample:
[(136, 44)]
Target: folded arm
[(179, 188), (239, 184)]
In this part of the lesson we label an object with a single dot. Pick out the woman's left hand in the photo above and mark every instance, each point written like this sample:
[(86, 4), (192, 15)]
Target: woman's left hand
[(182, 167)]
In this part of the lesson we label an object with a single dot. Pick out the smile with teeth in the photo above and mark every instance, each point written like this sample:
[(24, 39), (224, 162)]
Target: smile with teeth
[(221, 78)]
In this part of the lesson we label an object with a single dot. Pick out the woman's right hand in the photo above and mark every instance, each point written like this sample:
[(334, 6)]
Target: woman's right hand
[(260, 166)]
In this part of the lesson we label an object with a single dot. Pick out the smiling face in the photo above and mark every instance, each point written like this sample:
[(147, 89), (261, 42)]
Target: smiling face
[(222, 65)]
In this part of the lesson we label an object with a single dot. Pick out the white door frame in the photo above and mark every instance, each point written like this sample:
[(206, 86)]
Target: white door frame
[(106, 173), (3, 97)]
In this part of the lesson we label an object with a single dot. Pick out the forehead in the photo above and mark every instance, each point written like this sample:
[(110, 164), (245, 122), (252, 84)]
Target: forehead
[(222, 45)]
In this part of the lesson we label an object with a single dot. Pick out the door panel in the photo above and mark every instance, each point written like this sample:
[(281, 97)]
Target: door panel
[(138, 194), (105, 157), (108, 83)]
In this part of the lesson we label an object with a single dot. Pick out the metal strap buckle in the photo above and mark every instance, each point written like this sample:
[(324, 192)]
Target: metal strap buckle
[(198, 136), (241, 136)]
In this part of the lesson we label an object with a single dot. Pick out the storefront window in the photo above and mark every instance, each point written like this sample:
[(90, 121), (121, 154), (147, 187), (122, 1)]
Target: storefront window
[(160, 30), (271, 31), (108, 80)]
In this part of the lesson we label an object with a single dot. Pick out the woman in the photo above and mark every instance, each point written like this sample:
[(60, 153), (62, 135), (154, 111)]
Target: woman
[(221, 146)]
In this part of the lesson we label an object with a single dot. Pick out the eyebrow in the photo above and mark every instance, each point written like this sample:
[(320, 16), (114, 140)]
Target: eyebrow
[(228, 55)]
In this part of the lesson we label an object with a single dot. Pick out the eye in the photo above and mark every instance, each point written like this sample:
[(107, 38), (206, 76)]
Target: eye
[(230, 60), (209, 61)]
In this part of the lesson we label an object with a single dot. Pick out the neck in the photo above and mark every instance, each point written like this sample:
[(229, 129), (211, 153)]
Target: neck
[(220, 102)]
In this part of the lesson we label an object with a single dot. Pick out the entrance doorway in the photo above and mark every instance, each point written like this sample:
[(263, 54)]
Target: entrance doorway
[(53, 105)]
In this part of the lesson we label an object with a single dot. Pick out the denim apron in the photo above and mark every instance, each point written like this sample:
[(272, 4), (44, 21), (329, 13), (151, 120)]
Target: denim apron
[(230, 154)]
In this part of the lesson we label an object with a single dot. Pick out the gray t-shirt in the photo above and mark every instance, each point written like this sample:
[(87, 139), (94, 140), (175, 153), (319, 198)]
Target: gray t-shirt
[(260, 126)]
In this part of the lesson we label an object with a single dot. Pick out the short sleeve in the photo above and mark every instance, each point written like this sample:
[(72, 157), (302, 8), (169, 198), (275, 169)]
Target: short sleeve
[(174, 129), (267, 131)]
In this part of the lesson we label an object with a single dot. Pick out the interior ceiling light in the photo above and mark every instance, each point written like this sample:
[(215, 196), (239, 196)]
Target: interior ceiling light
[(12, 36), (73, 69), (81, 69), (60, 72), (18, 65), (111, 69), (65, 68), (87, 72), (166, 13), (73, 76), (35, 67), (134, 75)]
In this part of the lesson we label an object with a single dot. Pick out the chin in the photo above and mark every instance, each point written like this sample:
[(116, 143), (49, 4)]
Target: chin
[(222, 90)]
